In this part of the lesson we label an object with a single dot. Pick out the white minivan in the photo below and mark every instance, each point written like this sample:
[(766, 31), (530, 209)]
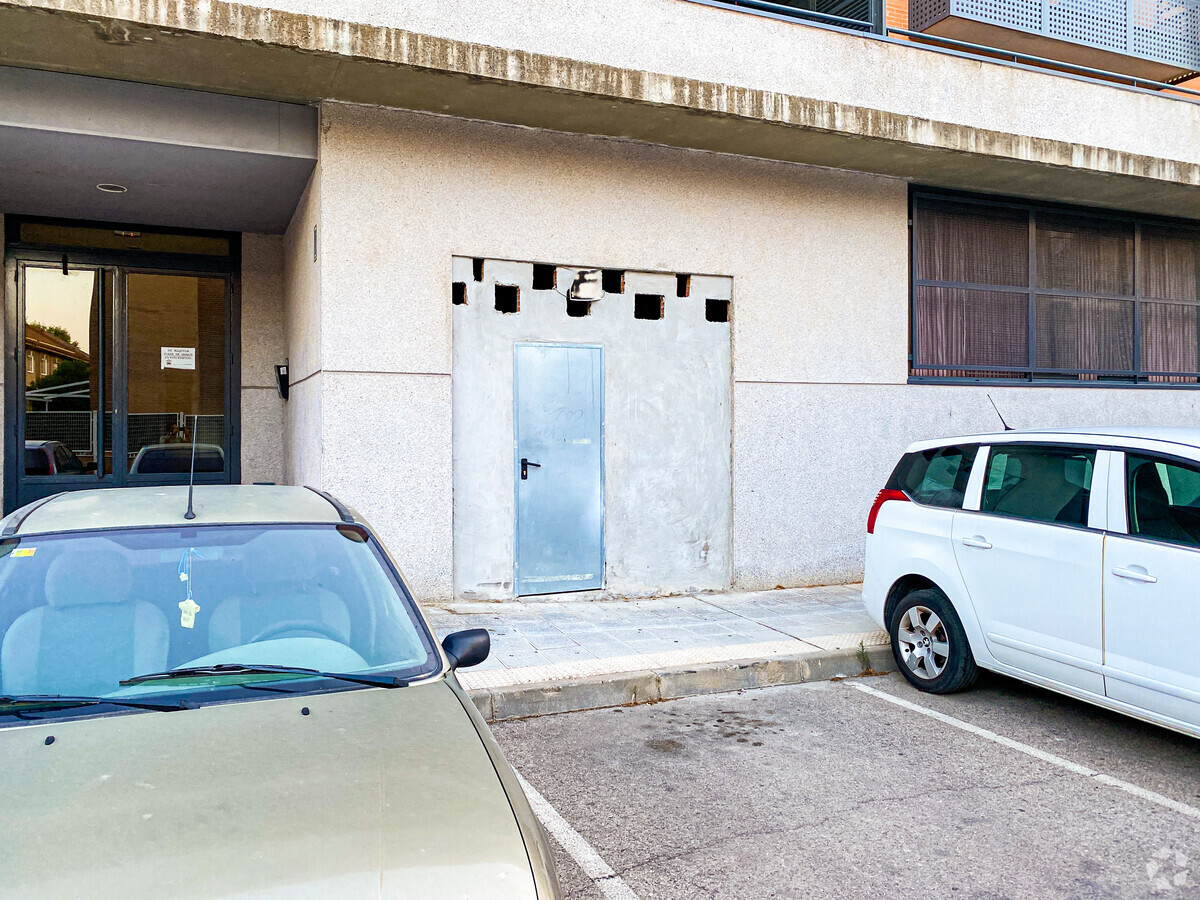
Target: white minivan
[(1067, 558)]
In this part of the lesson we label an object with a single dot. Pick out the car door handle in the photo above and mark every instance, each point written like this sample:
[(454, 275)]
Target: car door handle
[(1135, 575), (978, 542), (525, 464)]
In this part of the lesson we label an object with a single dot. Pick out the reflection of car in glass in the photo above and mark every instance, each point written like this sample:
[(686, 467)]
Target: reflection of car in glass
[(53, 458), (1066, 558), (248, 703), (176, 459)]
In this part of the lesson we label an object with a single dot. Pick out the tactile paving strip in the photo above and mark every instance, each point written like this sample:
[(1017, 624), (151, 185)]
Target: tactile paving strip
[(670, 659)]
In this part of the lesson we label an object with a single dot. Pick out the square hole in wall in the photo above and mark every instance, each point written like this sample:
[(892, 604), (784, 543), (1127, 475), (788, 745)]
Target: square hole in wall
[(577, 309), (683, 285), (647, 306), (612, 281), (716, 310), (460, 293), (545, 278), (508, 298), (477, 269)]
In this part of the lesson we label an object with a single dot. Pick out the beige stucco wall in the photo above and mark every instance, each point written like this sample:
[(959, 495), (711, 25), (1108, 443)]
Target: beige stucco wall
[(730, 47), (262, 348), (809, 458), (818, 260), (302, 310)]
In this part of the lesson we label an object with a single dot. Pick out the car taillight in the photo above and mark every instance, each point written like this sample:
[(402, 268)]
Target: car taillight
[(881, 498)]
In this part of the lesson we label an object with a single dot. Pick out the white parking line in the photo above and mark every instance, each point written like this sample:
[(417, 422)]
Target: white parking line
[(592, 863), (1143, 793)]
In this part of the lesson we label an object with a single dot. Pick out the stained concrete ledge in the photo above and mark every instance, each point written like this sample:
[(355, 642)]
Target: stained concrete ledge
[(631, 688), (242, 49)]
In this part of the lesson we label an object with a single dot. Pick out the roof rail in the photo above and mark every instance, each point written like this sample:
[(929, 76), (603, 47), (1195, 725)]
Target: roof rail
[(334, 502), (18, 521)]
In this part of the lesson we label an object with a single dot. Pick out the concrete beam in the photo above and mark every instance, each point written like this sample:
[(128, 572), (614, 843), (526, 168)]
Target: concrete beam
[(245, 50)]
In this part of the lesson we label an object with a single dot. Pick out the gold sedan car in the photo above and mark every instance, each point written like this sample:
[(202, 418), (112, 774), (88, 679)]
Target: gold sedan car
[(247, 703)]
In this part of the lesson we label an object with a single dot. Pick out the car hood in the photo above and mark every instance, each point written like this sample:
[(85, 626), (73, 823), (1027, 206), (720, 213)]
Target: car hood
[(358, 793)]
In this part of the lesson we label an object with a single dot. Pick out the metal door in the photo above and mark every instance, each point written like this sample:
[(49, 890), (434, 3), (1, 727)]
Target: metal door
[(558, 410)]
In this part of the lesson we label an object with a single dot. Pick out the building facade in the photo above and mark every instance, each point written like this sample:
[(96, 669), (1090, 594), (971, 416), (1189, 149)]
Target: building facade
[(636, 297)]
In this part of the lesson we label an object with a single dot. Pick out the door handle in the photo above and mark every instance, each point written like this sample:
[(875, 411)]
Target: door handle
[(977, 542), (1135, 575), (525, 464)]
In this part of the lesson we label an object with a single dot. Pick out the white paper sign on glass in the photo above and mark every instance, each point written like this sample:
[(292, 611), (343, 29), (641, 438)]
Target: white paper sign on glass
[(179, 357)]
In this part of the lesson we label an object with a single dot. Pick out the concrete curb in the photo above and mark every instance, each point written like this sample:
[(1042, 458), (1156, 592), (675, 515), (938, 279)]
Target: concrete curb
[(522, 701)]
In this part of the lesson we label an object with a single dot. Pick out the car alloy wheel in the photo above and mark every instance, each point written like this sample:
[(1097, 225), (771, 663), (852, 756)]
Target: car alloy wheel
[(923, 641)]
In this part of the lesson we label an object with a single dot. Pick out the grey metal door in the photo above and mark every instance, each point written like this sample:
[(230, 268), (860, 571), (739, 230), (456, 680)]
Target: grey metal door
[(559, 471)]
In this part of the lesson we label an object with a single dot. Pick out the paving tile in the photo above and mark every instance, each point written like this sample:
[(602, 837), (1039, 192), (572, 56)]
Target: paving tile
[(556, 632), (554, 641)]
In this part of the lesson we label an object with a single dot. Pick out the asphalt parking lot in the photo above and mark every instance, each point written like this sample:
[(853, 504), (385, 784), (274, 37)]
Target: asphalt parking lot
[(836, 790)]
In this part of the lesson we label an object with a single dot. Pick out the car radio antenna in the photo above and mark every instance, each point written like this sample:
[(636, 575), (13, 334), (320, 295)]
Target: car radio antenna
[(1007, 427), (191, 513)]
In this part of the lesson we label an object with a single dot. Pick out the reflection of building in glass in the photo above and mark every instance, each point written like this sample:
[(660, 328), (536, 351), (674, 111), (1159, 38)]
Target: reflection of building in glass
[(46, 355)]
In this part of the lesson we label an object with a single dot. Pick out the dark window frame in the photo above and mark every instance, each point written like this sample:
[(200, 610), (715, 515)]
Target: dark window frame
[(1031, 374)]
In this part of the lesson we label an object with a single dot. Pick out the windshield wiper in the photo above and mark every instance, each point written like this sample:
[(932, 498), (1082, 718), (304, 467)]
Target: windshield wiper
[(16, 706), (387, 681)]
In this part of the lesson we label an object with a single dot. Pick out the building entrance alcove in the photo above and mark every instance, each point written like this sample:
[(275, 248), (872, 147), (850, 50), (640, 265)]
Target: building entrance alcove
[(124, 355)]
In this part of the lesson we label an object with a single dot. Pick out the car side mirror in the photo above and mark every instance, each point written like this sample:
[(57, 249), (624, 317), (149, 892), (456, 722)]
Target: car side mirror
[(467, 648)]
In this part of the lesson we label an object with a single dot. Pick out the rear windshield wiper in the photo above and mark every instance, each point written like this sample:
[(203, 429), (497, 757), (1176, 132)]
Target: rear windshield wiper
[(387, 681), (16, 706)]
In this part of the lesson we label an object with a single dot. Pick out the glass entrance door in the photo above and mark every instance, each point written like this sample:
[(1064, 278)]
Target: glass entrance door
[(175, 374), (123, 370), (66, 357)]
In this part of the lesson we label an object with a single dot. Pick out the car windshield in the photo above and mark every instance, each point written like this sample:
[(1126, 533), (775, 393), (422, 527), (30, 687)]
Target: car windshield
[(80, 613)]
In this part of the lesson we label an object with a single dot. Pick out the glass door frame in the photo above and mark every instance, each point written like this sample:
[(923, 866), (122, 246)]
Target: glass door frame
[(121, 263)]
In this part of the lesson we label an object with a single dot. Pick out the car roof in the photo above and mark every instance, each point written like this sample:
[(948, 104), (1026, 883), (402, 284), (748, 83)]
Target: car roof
[(214, 504), (1104, 434)]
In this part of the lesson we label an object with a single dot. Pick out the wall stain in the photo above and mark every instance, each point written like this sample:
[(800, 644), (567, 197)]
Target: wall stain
[(126, 22)]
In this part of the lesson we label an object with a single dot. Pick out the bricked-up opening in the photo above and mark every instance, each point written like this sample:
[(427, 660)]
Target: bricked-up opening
[(683, 285), (577, 309), (477, 269), (647, 306), (508, 298), (460, 293), (612, 281), (716, 310), (545, 278)]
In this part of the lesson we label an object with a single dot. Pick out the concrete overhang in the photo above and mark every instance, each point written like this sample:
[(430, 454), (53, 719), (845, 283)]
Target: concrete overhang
[(250, 51), (185, 158)]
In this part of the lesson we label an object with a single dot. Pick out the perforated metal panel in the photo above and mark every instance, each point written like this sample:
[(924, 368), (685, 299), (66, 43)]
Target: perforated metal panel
[(1097, 23), (1164, 31), (1023, 14)]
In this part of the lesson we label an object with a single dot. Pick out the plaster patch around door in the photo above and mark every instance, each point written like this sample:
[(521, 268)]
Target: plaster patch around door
[(558, 394), (661, 518)]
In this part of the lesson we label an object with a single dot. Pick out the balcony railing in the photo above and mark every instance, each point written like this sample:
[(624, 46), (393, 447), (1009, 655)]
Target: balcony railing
[(857, 15), (1174, 24), (1153, 39)]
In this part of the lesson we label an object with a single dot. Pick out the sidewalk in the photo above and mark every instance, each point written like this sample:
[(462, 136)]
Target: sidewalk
[(563, 655)]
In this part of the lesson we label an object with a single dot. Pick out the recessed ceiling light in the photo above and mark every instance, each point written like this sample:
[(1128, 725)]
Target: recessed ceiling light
[(112, 188)]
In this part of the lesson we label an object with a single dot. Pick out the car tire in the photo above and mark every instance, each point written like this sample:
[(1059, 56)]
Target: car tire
[(929, 644)]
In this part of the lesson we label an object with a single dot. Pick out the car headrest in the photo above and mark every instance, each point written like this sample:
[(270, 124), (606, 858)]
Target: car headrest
[(1148, 487), (79, 577)]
